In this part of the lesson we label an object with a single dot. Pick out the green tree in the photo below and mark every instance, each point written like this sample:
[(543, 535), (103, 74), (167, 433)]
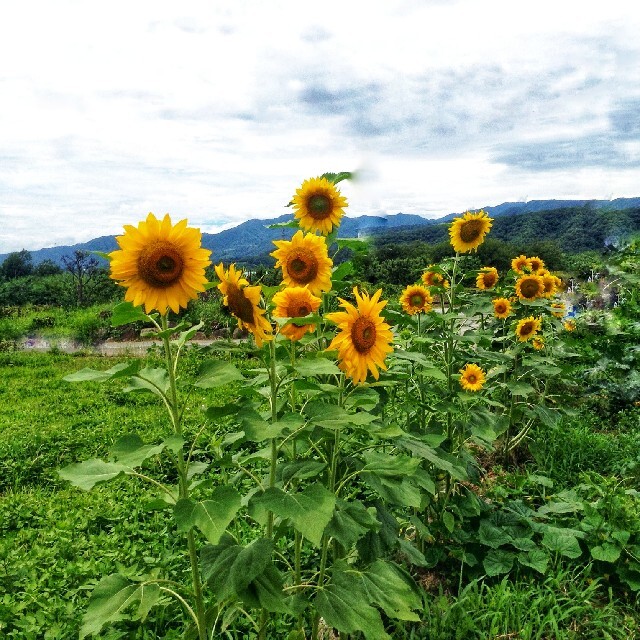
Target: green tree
[(17, 265)]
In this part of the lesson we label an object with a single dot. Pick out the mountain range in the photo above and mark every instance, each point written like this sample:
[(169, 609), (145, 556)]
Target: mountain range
[(251, 241)]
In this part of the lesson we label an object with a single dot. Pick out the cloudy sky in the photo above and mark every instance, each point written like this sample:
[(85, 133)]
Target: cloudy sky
[(217, 110)]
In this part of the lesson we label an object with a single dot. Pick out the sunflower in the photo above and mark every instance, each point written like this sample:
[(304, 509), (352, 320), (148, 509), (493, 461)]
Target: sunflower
[(527, 328), (501, 308), (160, 264), (536, 264), (520, 264), (569, 325), (472, 377), (538, 343), (364, 339), (295, 302), (318, 205), (305, 261), (416, 299), (529, 287), (558, 309), (487, 278), (467, 233), (434, 279), (243, 302), (550, 283)]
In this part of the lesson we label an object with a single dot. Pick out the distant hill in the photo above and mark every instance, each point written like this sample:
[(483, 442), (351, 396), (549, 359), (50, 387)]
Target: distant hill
[(584, 223)]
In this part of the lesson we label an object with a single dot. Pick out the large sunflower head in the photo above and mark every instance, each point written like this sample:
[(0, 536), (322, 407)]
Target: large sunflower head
[(434, 278), (529, 287), (295, 302), (318, 205), (536, 264), (467, 233), (161, 265), (243, 302), (472, 377), (527, 328), (304, 261), (416, 299), (521, 264), (364, 339), (501, 308), (558, 309), (487, 278)]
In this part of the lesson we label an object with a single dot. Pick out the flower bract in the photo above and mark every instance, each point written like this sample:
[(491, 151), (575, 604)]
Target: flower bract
[(295, 302), (527, 328), (318, 205), (244, 302), (467, 233), (365, 338), (304, 261), (472, 377), (416, 299), (161, 265)]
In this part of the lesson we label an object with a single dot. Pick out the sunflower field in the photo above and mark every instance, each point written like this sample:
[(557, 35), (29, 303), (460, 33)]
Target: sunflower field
[(358, 459)]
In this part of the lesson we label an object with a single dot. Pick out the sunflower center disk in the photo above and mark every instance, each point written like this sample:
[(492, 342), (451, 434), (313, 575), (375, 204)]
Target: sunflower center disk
[(489, 279), (319, 206), (526, 329), (363, 335), (417, 300), (302, 267), (470, 231), (298, 312), (471, 378), (160, 264), (530, 288), (239, 304)]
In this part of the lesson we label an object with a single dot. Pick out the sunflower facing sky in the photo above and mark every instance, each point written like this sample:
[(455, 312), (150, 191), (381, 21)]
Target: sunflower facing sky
[(529, 287), (472, 377), (527, 328), (161, 265), (318, 205), (468, 232), (416, 299), (487, 278), (243, 302), (304, 261), (501, 308), (295, 302), (365, 338)]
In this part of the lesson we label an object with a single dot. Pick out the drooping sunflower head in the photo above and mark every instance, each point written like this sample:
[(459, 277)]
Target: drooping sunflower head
[(304, 261), (472, 377), (550, 283), (295, 302), (487, 278), (536, 264), (467, 233), (416, 299), (569, 325), (161, 265), (365, 338), (434, 278), (318, 205), (243, 302), (527, 328), (538, 343), (501, 308), (529, 287), (521, 264), (558, 309)]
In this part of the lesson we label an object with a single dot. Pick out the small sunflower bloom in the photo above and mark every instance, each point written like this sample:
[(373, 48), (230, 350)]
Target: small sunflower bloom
[(550, 283), (538, 343), (536, 264), (161, 265), (527, 328), (243, 302), (501, 308), (558, 309), (416, 299), (487, 278), (434, 279), (304, 261), (467, 233), (569, 325), (529, 287), (295, 302), (521, 264), (318, 205), (365, 338), (472, 377)]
